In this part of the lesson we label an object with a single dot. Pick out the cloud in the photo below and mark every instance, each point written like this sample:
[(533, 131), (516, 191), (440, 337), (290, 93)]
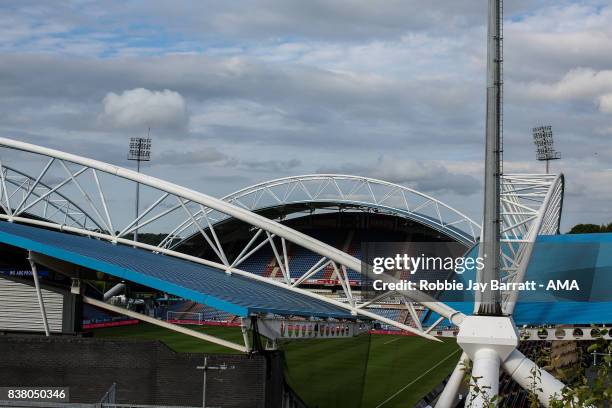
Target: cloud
[(212, 155), (142, 108), (272, 165), (423, 176), (275, 87), (209, 155), (605, 103), (579, 83)]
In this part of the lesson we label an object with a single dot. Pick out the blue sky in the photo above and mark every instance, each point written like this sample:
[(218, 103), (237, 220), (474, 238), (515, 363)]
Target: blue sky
[(241, 92)]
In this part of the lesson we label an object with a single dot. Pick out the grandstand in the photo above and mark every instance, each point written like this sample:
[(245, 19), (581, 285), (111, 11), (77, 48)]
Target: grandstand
[(104, 280), (345, 229), (189, 312), (94, 317)]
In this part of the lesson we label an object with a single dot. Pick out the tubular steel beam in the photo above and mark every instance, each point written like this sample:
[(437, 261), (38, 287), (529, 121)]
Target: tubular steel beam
[(271, 227), (165, 325), (203, 199), (41, 302)]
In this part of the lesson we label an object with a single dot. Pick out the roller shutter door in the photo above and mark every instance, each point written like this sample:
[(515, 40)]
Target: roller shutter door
[(19, 308)]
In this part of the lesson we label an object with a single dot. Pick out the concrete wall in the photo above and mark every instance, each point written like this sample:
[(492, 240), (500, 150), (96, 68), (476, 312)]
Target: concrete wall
[(146, 372)]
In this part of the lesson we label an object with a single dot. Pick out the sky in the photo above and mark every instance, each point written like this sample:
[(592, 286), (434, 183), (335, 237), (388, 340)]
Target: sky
[(241, 92)]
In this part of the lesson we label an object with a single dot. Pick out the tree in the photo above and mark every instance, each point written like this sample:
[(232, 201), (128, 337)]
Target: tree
[(593, 392), (590, 228)]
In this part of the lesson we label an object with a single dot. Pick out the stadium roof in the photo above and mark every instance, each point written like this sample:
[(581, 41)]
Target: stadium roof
[(235, 294), (584, 257), (282, 210), (313, 191)]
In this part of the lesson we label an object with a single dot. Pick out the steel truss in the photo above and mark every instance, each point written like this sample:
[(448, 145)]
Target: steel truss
[(352, 191), (77, 199), (97, 190), (573, 333), (355, 191), (531, 205), (23, 194), (85, 197)]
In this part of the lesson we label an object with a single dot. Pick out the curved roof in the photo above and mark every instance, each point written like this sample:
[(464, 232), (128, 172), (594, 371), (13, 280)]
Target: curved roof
[(202, 284), (355, 192), (166, 204), (367, 192)]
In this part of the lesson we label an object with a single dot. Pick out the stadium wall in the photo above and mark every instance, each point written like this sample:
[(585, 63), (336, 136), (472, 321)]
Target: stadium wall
[(146, 372)]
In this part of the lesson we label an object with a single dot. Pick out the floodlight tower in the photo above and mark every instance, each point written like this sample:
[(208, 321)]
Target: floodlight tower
[(545, 149), (489, 303), (488, 337), (140, 150)]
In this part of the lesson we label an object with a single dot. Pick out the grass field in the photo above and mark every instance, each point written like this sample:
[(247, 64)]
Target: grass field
[(367, 371)]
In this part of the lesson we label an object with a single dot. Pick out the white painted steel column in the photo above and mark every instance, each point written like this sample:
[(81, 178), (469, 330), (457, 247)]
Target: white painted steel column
[(448, 397), (520, 368), (41, 302), (244, 326), (487, 340), (485, 374), (115, 290)]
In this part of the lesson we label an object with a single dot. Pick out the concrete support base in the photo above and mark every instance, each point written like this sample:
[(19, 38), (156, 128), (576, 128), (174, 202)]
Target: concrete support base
[(488, 341)]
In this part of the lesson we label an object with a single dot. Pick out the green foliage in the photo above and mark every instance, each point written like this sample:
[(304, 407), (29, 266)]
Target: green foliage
[(477, 390), (590, 228), (482, 391), (585, 392), (534, 386)]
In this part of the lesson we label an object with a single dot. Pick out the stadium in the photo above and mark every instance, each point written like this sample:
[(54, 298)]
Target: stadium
[(267, 278), (271, 296)]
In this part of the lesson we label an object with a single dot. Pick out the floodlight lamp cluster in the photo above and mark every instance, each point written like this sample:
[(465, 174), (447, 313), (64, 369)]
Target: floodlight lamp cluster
[(140, 149), (543, 139)]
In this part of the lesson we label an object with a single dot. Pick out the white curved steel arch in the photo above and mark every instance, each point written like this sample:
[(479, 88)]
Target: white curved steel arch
[(187, 199), (531, 206), (205, 200), (368, 192), (64, 207)]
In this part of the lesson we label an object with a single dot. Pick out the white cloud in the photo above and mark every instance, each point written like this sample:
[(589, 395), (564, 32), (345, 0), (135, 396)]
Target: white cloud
[(321, 82), (428, 176), (605, 103), (140, 108), (579, 83), (422, 175)]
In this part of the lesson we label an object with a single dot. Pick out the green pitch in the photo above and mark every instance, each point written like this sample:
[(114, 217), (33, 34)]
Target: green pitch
[(368, 371)]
